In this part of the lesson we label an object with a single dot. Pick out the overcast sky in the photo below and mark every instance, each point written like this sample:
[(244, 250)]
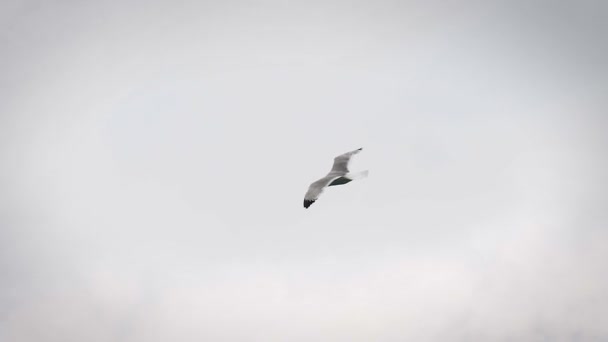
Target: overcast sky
[(154, 156)]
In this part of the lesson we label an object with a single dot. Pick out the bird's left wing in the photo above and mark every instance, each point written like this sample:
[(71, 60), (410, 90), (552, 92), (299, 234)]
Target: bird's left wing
[(315, 190)]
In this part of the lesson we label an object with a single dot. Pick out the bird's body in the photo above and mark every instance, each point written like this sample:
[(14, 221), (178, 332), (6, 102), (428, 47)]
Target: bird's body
[(338, 175)]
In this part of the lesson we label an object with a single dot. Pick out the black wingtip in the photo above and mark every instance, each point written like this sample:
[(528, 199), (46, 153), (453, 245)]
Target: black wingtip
[(308, 203), (360, 148)]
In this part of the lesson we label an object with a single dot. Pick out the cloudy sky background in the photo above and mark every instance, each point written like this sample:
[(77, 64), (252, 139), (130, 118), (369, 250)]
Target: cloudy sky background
[(154, 156)]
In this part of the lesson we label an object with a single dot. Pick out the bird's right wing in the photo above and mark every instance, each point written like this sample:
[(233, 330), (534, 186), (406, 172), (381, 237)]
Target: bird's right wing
[(315, 190), (341, 162)]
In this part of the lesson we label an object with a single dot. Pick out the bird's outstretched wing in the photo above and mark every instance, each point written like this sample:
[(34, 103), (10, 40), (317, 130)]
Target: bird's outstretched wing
[(315, 190), (341, 161)]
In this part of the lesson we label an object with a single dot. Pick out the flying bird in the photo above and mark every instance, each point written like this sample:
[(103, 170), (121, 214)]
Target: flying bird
[(338, 175)]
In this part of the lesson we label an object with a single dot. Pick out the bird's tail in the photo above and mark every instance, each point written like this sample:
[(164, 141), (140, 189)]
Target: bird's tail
[(358, 175)]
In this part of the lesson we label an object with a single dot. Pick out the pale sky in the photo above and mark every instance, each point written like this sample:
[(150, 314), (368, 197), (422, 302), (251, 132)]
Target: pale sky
[(155, 155)]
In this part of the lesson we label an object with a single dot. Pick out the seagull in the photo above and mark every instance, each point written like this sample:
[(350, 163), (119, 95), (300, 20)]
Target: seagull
[(338, 175)]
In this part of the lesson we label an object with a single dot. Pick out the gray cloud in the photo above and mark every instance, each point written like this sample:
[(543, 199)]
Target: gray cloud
[(155, 157)]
